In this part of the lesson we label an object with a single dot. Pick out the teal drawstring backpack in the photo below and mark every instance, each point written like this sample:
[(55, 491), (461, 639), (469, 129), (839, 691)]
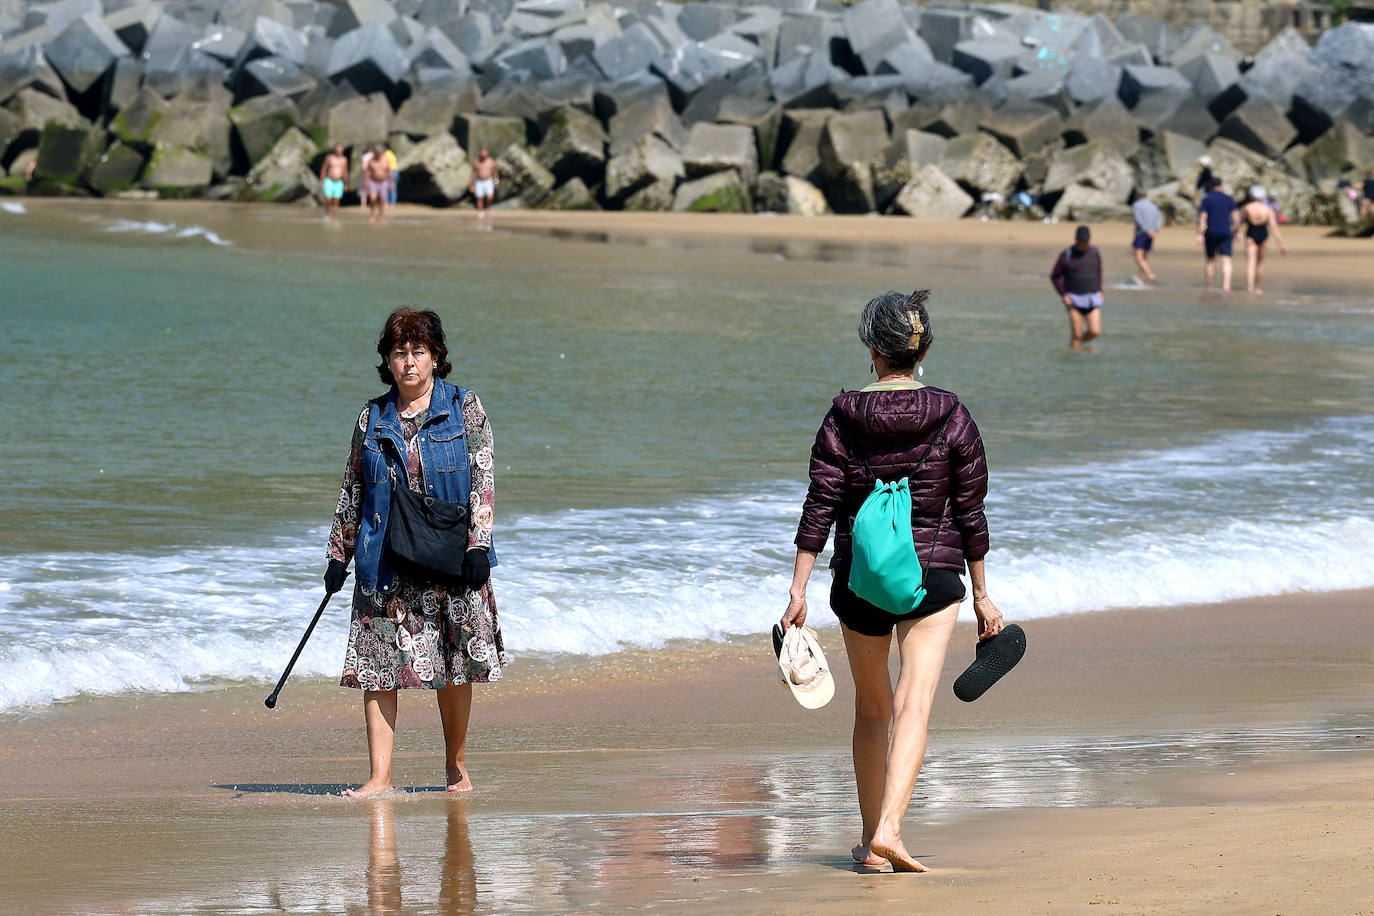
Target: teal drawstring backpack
[(885, 570)]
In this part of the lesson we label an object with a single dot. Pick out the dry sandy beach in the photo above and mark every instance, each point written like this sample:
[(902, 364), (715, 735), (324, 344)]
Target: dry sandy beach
[(1212, 759), (1191, 759)]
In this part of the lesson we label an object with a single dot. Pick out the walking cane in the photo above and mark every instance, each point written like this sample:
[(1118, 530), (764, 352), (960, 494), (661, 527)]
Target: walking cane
[(271, 701)]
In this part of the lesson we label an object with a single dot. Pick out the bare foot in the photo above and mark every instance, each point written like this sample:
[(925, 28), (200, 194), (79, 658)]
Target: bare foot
[(458, 780), (864, 856), (371, 787), (896, 853)]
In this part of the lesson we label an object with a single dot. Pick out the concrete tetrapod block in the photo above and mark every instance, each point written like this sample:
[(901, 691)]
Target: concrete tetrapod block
[(541, 58), (1097, 165), (955, 119), (472, 34), (1340, 150), (1260, 126), (1202, 41), (436, 50), (284, 174), (10, 128), (1181, 155), (573, 194), (1089, 205), (776, 193), (1344, 68), (1236, 165), (1211, 74), (203, 128), (485, 132), (1278, 69), (981, 164), (875, 27), (522, 177), (1107, 120), (1022, 125), (117, 169), (645, 162), (133, 24), (806, 81), (123, 83), (655, 198), (270, 38), (801, 139), (66, 154), (1090, 79), (984, 59), (654, 116), (849, 143), (435, 171), (613, 98), (28, 67), (354, 14), (260, 122), (700, 21), (426, 114), (355, 121), (275, 76), (85, 52), (895, 165), (574, 146), (1192, 118), (174, 171), (719, 192), (717, 147), (1138, 84), (628, 54), (931, 194), (369, 59), (223, 43), (763, 117), (136, 121)]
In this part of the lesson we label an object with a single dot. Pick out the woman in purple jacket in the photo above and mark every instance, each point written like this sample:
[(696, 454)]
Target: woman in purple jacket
[(884, 431)]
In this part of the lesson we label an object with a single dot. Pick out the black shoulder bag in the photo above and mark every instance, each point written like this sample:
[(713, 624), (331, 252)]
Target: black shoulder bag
[(426, 538)]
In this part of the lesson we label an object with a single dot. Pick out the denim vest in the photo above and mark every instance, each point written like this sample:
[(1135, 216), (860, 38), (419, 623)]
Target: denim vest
[(445, 469)]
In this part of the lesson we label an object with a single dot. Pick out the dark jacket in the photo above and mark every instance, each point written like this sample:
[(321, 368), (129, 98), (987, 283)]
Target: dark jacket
[(891, 429), (1077, 271)]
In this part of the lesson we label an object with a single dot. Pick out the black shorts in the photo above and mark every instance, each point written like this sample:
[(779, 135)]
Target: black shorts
[(1143, 241), (943, 588), (1217, 245)]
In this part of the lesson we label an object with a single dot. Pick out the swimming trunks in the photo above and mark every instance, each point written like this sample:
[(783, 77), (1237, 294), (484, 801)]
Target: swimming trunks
[(943, 588), (375, 188), (1143, 241), (1085, 302), (333, 188), (484, 187), (1217, 245)]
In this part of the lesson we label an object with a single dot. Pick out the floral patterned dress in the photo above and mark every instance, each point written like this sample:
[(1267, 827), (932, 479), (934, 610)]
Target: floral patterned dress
[(421, 634)]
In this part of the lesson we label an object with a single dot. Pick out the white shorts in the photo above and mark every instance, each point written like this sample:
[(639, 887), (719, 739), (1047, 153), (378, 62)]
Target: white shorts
[(484, 187), (1086, 302)]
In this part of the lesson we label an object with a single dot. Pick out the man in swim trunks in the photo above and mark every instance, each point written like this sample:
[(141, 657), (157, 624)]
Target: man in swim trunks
[(1077, 277), (1217, 224), (376, 184), (485, 178), (334, 180), (1148, 221)]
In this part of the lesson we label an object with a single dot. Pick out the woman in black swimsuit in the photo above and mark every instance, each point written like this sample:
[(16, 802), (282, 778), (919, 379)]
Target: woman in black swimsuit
[(1258, 219)]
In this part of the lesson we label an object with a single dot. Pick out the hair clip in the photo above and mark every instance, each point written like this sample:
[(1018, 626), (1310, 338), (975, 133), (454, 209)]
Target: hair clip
[(917, 329)]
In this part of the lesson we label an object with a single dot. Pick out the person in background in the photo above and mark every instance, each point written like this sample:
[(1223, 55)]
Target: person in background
[(1367, 202), (896, 427), (376, 184), (1148, 222), (1259, 221), (363, 161), (1217, 224), (392, 164), (1077, 278), (1204, 179), (334, 180), (485, 178)]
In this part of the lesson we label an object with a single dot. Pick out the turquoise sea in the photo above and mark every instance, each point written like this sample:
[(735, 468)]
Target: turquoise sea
[(180, 382)]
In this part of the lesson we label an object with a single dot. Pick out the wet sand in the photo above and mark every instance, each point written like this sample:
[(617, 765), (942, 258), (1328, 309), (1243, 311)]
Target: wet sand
[(1212, 758)]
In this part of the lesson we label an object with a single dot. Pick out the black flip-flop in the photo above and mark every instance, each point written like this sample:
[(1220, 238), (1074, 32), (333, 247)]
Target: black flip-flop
[(777, 640), (995, 657)]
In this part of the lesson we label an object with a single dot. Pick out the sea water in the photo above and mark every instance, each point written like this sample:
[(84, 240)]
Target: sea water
[(180, 384)]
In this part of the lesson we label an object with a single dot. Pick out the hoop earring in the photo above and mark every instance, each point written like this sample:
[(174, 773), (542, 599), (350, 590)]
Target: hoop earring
[(920, 370)]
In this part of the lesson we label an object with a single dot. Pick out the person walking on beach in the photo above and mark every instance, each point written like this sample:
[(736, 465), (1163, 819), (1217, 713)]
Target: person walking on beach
[(1077, 278), (1216, 226), (1148, 221), (410, 629), (334, 180), (1259, 220), (376, 184), (1367, 201), (888, 427), (1204, 179), (485, 178), (394, 168)]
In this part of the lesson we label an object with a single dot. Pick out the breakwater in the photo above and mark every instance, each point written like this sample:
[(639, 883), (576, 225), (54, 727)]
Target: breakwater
[(800, 106)]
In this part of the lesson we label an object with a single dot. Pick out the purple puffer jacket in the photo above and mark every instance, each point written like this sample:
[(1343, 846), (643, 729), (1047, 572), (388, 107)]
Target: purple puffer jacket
[(891, 430)]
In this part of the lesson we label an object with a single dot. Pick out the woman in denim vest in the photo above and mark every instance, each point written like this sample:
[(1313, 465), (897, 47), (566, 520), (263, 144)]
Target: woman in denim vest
[(896, 427), (406, 631)]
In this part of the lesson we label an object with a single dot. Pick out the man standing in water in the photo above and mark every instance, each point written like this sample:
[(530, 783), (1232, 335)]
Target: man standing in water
[(376, 184), (485, 178), (1077, 277), (1148, 221), (334, 180), (1216, 226)]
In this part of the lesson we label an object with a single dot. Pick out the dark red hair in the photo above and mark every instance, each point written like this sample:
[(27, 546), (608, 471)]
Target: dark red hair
[(412, 326)]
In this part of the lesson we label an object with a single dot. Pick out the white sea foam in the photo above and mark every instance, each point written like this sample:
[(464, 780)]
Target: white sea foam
[(12, 206), (151, 227), (201, 232), (1247, 514)]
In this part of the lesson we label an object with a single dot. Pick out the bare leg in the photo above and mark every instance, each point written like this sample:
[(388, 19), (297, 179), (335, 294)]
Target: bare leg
[(1075, 327), (921, 645), (455, 708), (1225, 273), (1258, 288), (1209, 273), (872, 718), (1094, 325), (379, 709), (1251, 251), (1142, 263)]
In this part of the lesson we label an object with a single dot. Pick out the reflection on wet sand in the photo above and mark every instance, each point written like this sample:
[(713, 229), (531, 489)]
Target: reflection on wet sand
[(457, 893)]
